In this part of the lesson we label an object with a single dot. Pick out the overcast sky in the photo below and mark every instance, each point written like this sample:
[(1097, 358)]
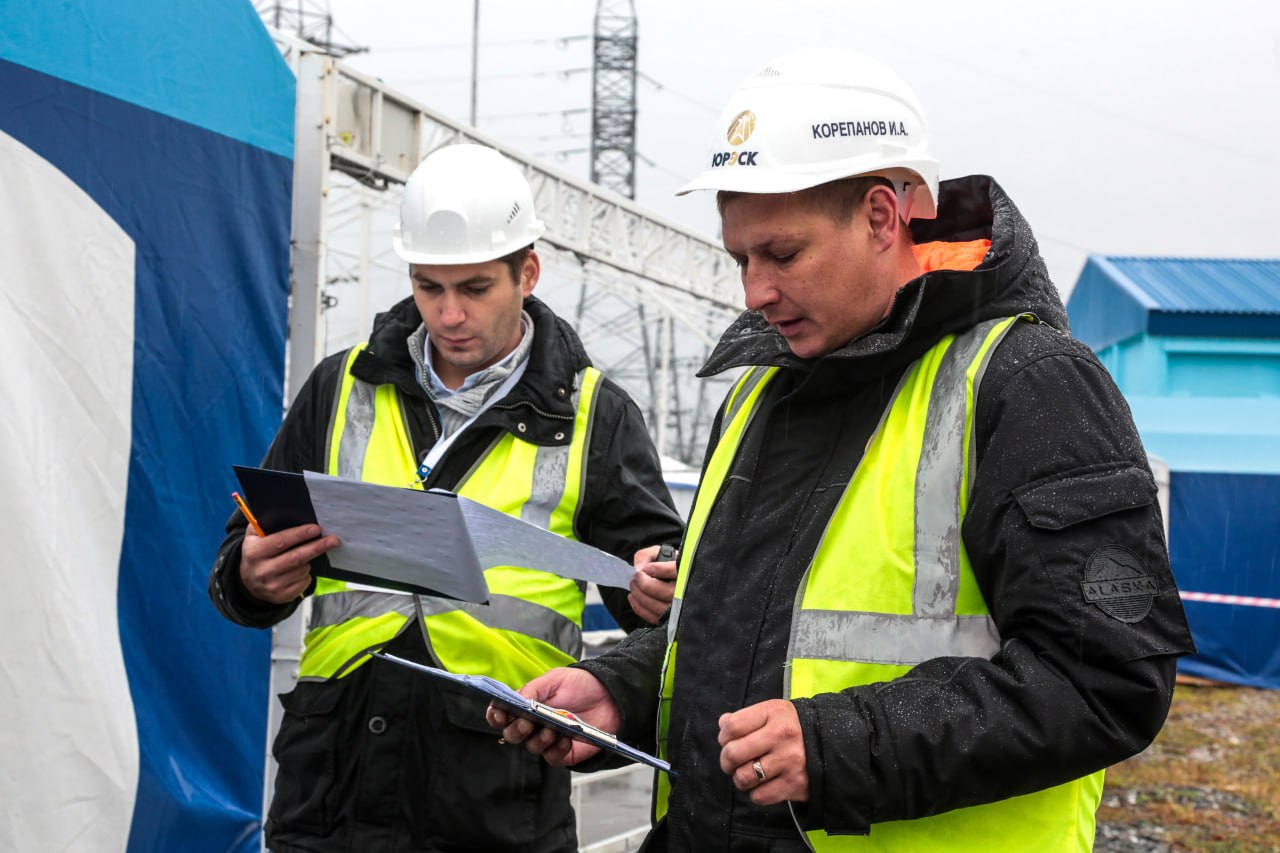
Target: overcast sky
[(1118, 127)]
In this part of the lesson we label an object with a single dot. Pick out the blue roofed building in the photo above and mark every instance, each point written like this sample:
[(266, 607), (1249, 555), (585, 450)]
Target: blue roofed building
[(1194, 344)]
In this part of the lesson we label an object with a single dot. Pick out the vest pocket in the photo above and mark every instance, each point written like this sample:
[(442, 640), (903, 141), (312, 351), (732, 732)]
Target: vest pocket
[(1085, 494), (305, 754)]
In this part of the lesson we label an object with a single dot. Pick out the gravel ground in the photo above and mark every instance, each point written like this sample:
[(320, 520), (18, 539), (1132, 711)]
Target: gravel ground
[(1209, 784), (1119, 838)]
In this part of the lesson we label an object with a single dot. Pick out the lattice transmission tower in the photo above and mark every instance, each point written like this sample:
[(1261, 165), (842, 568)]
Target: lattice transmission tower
[(309, 20), (613, 103), (629, 335)]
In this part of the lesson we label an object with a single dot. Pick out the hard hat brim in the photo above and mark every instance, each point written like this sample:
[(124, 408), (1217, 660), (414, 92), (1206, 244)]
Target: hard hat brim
[(726, 179), (446, 259), (744, 180)]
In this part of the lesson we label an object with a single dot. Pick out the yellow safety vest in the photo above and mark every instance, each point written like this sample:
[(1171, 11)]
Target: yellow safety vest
[(916, 598), (533, 620)]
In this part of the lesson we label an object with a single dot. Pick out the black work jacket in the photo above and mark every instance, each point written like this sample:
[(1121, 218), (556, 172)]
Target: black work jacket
[(384, 759), (1060, 474)]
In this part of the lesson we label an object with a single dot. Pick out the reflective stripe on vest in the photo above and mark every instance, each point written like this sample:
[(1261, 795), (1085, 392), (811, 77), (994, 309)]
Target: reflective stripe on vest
[(503, 611), (926, 429), (740, 408), (534, 619), (923, 601)]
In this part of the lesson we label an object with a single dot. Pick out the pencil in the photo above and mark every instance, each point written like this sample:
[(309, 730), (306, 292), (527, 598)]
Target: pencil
[(244, 507)]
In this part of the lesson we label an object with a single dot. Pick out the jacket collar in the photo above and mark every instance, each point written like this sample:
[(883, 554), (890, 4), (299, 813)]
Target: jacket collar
[(543, 400), (1011, 279)]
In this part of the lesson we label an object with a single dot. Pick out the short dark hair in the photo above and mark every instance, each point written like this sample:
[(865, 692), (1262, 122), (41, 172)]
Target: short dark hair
[(515, 261), (837, 199)]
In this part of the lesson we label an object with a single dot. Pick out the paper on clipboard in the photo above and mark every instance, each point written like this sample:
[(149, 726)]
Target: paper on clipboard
[(556, 718), (398, 533), (409, 540), (396, 540), (501, 540)]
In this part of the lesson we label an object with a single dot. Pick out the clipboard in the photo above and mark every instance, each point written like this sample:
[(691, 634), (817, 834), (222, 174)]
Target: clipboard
[(429, 541), (556, 718), (282, 499)]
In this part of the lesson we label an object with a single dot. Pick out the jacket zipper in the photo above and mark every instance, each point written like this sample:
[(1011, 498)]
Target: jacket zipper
[(547, 415)]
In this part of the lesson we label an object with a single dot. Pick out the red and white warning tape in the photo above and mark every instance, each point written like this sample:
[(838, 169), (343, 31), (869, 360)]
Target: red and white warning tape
[(1244, 600)]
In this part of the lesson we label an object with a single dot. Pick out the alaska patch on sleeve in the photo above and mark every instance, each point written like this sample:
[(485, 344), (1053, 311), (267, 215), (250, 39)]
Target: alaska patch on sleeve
[(1117, 582)]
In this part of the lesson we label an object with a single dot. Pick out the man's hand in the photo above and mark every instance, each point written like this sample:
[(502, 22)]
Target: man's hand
[(654, 584), (573, 690), (277, 568), (765, 739)]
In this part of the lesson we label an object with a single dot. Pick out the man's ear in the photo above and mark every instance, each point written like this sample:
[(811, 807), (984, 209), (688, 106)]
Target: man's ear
[(881, 206), (530, 270)]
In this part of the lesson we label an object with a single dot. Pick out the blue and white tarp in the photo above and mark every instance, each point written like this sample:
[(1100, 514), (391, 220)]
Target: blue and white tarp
[(145, 179), (1224, 542)]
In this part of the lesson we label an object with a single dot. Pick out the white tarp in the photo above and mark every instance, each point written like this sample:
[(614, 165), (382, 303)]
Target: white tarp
[(67, 730)]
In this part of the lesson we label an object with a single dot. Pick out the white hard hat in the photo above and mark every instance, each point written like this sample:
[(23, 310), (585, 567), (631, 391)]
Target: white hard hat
[(465, 204), (818, 115)]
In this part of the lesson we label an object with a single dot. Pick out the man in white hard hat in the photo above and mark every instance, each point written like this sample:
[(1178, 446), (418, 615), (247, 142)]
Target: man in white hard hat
[(475, 386), (924, 596)]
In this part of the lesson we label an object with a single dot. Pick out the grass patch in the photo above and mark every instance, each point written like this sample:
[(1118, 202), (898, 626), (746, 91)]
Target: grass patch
[(1211, 780)]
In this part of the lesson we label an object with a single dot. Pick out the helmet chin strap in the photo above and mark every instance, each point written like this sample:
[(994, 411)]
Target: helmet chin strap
[(906, 193), (905, 185)]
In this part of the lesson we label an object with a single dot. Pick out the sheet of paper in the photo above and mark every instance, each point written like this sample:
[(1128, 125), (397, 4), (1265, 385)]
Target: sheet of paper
[(501, 540), (406, 535)]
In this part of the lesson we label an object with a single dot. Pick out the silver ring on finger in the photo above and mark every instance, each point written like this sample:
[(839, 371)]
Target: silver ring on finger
[(757, 769)]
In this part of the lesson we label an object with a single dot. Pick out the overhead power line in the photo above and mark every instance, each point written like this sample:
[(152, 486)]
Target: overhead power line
[(563, 73), (654, 165), (663, 87), (559, 41), (539, 114)]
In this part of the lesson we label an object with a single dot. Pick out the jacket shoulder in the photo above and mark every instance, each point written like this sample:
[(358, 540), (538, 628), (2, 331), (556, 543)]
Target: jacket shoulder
[(327, 371), (608, 389), (1041, 381), (614, 408), (1028, 343), (320, 389)]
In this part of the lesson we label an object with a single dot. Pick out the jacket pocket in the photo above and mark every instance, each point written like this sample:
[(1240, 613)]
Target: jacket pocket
[(305, 751), (466, 711), (484, 795), (1085, 495)]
